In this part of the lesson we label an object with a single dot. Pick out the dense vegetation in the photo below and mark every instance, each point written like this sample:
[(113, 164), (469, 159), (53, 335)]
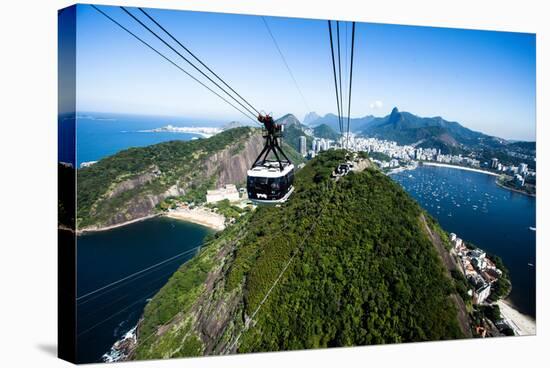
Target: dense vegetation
[(177, 297), (293, 154), (158, 166), (325, 131), (364, 273), (226, 208), (380, 156), (502, 287), (293, 130), (123, 186), (360, 269)]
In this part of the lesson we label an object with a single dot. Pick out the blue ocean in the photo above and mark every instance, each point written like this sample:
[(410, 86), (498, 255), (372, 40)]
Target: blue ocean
[(467, 203), (100, 135), (495, 219)]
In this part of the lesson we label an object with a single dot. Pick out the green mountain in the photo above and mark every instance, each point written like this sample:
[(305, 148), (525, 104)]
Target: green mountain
[(436, 132), (132, 183), (325, 131), (293, 130), (524, 147), (355, 124), (450, 137), (347, 262)]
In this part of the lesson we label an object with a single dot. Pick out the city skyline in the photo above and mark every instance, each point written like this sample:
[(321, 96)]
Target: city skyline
[(484, 80)]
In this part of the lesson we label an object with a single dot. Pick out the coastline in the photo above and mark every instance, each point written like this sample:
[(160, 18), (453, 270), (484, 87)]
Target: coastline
[(459, 168), (199, 216), (515, 190), (401, 169), (110, 227), (524, 325)]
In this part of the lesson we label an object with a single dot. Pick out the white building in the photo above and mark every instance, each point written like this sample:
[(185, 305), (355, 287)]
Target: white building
[(522, 169), (228, 191), (87, 164), (482, 293), (303, 145)]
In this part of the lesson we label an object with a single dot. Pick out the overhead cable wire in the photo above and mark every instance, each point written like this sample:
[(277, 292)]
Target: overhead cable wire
[(197, 59), (142, 299), (251, 112), (350, 76), (171, 62), (286, 64), (340, 74), (142, 286), (136, 276), (250, 319), (137, 273), (141, 341), (334, 73)]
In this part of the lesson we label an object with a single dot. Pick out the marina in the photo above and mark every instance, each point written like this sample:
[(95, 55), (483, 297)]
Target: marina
[(487, 216)]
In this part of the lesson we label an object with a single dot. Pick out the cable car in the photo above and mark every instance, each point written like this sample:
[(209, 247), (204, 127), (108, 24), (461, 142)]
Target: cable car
[(270, 181)]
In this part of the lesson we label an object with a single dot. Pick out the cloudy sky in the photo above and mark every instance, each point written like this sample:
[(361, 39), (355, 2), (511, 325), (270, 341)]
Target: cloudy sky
[(484, 80)]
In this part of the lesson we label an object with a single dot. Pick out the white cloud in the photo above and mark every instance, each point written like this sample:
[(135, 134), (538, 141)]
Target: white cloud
[(376, 105)]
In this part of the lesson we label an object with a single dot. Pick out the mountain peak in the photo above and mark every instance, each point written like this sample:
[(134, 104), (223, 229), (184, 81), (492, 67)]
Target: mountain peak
[(310, 117), (288, 119), (395, 115)]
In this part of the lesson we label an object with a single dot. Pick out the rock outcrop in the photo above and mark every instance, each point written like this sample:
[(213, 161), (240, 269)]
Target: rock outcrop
[(134, 195)]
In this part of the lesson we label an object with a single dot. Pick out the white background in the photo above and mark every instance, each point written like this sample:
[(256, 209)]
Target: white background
[(28, 152)]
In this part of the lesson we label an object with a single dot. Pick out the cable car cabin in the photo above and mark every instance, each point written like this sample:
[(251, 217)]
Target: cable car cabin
[(342, 170), (269, 181), (268, 184)]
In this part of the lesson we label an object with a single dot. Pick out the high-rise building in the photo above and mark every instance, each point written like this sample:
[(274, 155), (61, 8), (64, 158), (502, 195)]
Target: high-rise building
[(315, 146), (303, 145), (494, 163), (522, 169)]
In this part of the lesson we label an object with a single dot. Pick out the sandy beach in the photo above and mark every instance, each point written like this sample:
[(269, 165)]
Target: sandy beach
[(199, 215), (94, 229), (524, 325), (459, 168)]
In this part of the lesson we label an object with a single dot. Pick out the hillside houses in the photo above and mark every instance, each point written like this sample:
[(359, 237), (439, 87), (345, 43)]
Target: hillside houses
[(480, 271)]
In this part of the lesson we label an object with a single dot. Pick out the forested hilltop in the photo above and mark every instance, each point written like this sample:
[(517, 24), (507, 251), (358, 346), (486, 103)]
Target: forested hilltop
[(130, 184), (342, 263)]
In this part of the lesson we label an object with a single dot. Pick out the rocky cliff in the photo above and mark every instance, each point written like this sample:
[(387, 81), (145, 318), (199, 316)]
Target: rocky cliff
[(130, 184)]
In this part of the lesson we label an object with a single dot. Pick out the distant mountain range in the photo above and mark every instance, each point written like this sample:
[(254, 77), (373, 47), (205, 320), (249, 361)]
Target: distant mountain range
[(293, 129), (311, 117), (325, 131), (356, 124), (406, 128)]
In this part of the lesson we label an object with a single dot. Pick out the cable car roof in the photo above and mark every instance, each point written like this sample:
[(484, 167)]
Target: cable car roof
[(271, 171)]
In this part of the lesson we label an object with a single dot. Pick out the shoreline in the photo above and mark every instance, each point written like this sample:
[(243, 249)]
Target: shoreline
[(199, 216), (110, 227), (424, 163), (515, 190), (523, 324)]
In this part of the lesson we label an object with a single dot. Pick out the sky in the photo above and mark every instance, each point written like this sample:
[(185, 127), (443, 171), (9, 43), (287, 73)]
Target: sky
[(484, 80)]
